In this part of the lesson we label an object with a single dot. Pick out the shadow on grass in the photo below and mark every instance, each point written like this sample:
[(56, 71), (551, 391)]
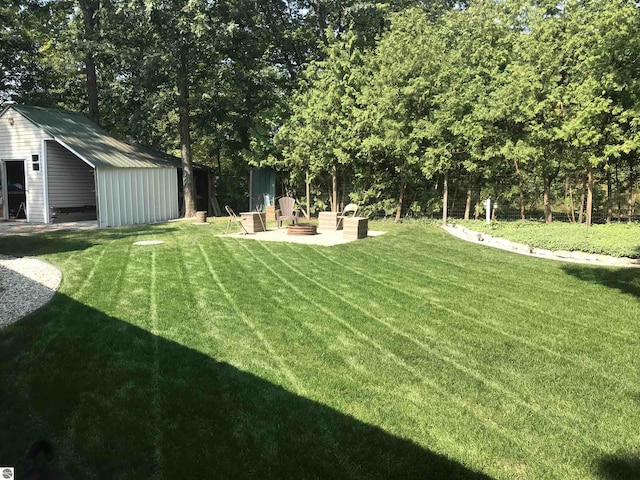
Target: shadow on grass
[(68, 241), (620, 468), (120, 402), (44, 243), (626, 280)]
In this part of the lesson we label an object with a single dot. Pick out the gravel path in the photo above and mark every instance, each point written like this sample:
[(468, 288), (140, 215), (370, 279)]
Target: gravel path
[(26, 284)]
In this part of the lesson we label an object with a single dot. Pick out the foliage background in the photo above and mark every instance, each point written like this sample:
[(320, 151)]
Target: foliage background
[(533, 103)]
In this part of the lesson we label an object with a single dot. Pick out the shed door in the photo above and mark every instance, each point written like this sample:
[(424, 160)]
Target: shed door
[(14, 190)]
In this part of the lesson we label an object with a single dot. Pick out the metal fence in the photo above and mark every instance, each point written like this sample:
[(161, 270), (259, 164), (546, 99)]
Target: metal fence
[(510, 213)]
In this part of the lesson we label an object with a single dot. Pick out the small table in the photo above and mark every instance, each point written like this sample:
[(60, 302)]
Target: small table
[(328, 221), (355, 228), (253, 221)]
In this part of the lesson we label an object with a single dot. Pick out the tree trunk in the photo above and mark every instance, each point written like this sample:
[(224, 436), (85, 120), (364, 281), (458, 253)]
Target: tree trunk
[(307, 182), (445, 197), (609, 198), (477, 208), (334, 190), (185, 140), (589, 209), (403, 187), (520, 189), (548, 215), (321, 19), (582, 200), (467, 207), (630, 196), (89, 20), (573, 207), (618, 190)]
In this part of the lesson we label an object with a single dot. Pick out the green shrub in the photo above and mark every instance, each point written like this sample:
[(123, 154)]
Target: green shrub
[(619, 240)]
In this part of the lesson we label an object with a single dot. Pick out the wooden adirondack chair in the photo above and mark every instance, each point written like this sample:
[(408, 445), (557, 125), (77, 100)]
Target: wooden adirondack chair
[(288, 210)]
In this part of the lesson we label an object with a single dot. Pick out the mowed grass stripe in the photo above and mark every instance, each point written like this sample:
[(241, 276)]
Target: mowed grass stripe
[(492, 264), (291, 317), (497, 266), (508, 271), (156, 383), (396, 357), (449, 353), (197, 313), (353, 301), (615, 381), (107, 282), (515, 311), (565, 332), (468, 337), (578, 359), (302, 318), (194, 311), (227, 336), (443, 281), (294, 381), (256, 290), (429, 300), (78, 267), (400, 357)]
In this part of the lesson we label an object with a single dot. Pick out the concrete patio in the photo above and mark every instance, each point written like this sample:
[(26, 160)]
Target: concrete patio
[(324, 238)]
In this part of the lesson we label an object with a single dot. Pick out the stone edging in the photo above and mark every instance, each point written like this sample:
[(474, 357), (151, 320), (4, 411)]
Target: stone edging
[(561, 255)]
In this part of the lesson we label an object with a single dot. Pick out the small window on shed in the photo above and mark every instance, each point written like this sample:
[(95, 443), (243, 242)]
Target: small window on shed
[(35, 162)]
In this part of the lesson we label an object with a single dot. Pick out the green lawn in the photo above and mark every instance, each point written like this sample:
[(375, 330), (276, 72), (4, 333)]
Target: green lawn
[(410, 355)]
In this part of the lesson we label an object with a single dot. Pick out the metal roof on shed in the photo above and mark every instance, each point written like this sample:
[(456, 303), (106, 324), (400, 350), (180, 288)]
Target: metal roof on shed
[(92, 143)]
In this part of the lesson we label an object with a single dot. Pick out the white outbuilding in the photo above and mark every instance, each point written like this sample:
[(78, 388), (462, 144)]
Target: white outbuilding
[(54, 163)]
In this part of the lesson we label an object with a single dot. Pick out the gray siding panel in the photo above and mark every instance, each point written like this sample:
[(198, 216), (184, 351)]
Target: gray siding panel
[(128, 196), (71, 181), (18, 142)]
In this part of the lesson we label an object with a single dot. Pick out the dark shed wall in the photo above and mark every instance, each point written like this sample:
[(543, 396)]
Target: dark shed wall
[(71, 181)]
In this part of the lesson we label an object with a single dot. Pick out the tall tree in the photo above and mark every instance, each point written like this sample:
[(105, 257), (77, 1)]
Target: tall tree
[(89, 9), (27, 37), (604, 82), (398, 103), (457, 132), (319, 137)]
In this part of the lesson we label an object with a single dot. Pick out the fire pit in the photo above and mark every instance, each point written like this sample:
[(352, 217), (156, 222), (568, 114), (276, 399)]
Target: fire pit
[(302, 229)]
